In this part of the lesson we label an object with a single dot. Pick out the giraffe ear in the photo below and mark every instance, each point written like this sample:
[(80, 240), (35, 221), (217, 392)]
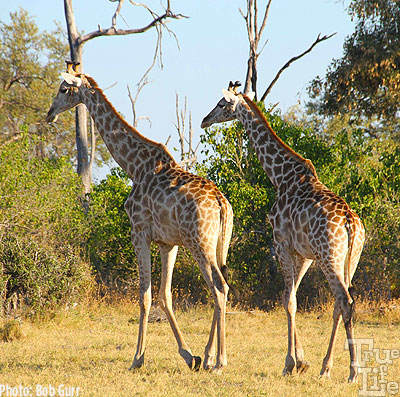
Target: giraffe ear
[(229, 96), (72, 80), (251, 95)]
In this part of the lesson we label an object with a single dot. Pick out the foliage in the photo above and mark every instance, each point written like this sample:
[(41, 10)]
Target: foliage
[(365, 81), (31, 62), (29, 77), (42, 230), (109, 244), (36, 277)]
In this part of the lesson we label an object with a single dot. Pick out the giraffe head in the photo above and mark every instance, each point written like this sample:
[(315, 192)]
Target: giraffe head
[(226, 106), (69, 94)]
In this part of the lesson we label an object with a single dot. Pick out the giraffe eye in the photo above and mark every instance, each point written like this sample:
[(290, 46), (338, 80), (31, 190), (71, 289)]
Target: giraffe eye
[(63, 90)]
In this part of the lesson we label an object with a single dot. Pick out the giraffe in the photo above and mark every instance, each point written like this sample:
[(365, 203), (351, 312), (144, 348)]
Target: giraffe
[(167, 205), (310, 223)]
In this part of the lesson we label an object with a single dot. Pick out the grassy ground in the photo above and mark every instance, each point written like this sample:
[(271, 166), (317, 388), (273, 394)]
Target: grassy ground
[(93, 348)]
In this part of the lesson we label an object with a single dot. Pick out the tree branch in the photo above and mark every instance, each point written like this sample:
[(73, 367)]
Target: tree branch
[(140, 86), (117, 11), (263, 24), (113, 31), (288, 63)]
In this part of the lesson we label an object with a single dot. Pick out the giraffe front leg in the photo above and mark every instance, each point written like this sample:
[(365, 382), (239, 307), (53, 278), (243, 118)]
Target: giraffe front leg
[(142, 249), (294, 267), (290, 360)]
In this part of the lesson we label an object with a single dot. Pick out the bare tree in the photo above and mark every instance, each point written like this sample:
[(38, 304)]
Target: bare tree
[(76, 43), (254, 33), (188, 156)]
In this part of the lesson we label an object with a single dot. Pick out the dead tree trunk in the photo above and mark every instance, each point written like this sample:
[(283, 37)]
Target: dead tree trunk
[(254, 34), (76, 49)]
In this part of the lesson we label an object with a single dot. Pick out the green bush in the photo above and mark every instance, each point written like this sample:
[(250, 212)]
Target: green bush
[(109, 244), (36, 278), (42, 230)]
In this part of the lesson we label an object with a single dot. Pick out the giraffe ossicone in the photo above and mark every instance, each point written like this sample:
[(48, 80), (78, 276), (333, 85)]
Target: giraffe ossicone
[(71, 79), (167, 205), (310, 223)]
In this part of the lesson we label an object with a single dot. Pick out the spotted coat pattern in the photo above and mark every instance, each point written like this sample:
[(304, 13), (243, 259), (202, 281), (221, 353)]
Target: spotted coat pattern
[(310, 223), (167, 205)]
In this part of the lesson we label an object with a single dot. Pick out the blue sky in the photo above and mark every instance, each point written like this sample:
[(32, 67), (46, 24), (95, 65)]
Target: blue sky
[(213, 50)]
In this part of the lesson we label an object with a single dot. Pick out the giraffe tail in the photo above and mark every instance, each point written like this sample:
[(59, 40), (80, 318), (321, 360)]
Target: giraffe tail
[(348, 260), (347, 268), (224, 240), (226, 216), (353, 313)]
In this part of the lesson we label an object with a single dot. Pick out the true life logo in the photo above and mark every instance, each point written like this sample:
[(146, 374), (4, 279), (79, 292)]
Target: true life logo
[(373, 365)]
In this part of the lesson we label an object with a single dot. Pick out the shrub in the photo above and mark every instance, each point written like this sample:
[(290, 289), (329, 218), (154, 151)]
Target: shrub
[(42, 230)]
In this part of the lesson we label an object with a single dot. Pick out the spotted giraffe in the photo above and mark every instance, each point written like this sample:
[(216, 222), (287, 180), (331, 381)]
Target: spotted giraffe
[(309, 222), (167, 205)]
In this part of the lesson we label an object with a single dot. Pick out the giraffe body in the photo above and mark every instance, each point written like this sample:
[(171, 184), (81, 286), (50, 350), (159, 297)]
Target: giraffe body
[(310, 223), (167, 205)]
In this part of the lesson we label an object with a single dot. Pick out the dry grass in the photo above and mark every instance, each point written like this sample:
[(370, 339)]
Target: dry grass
[(93, 348)]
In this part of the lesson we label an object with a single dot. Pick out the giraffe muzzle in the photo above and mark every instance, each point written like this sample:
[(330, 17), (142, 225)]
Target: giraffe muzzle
[(51, 118), (205, 123)]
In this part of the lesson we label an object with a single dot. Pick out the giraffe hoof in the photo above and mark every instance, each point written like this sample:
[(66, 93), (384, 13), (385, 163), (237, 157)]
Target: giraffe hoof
[(207, 367), (196, 362), (217, 370), (137, 363), (302, 367), (325, 374), (352, 378), (286, 372)]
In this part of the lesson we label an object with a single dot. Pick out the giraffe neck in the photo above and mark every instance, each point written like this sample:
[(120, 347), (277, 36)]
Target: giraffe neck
[(278, 160), (136, 155)]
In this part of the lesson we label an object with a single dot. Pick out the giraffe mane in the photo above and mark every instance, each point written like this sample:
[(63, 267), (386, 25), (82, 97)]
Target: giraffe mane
[(129, 128), (306, 162)]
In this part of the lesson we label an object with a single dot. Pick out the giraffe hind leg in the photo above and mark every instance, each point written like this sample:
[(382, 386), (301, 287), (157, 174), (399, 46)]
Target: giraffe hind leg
[(344, 307), (209, 351), (219, 289), (328, 360), (168, 256), (348, 317), (301, 365)]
